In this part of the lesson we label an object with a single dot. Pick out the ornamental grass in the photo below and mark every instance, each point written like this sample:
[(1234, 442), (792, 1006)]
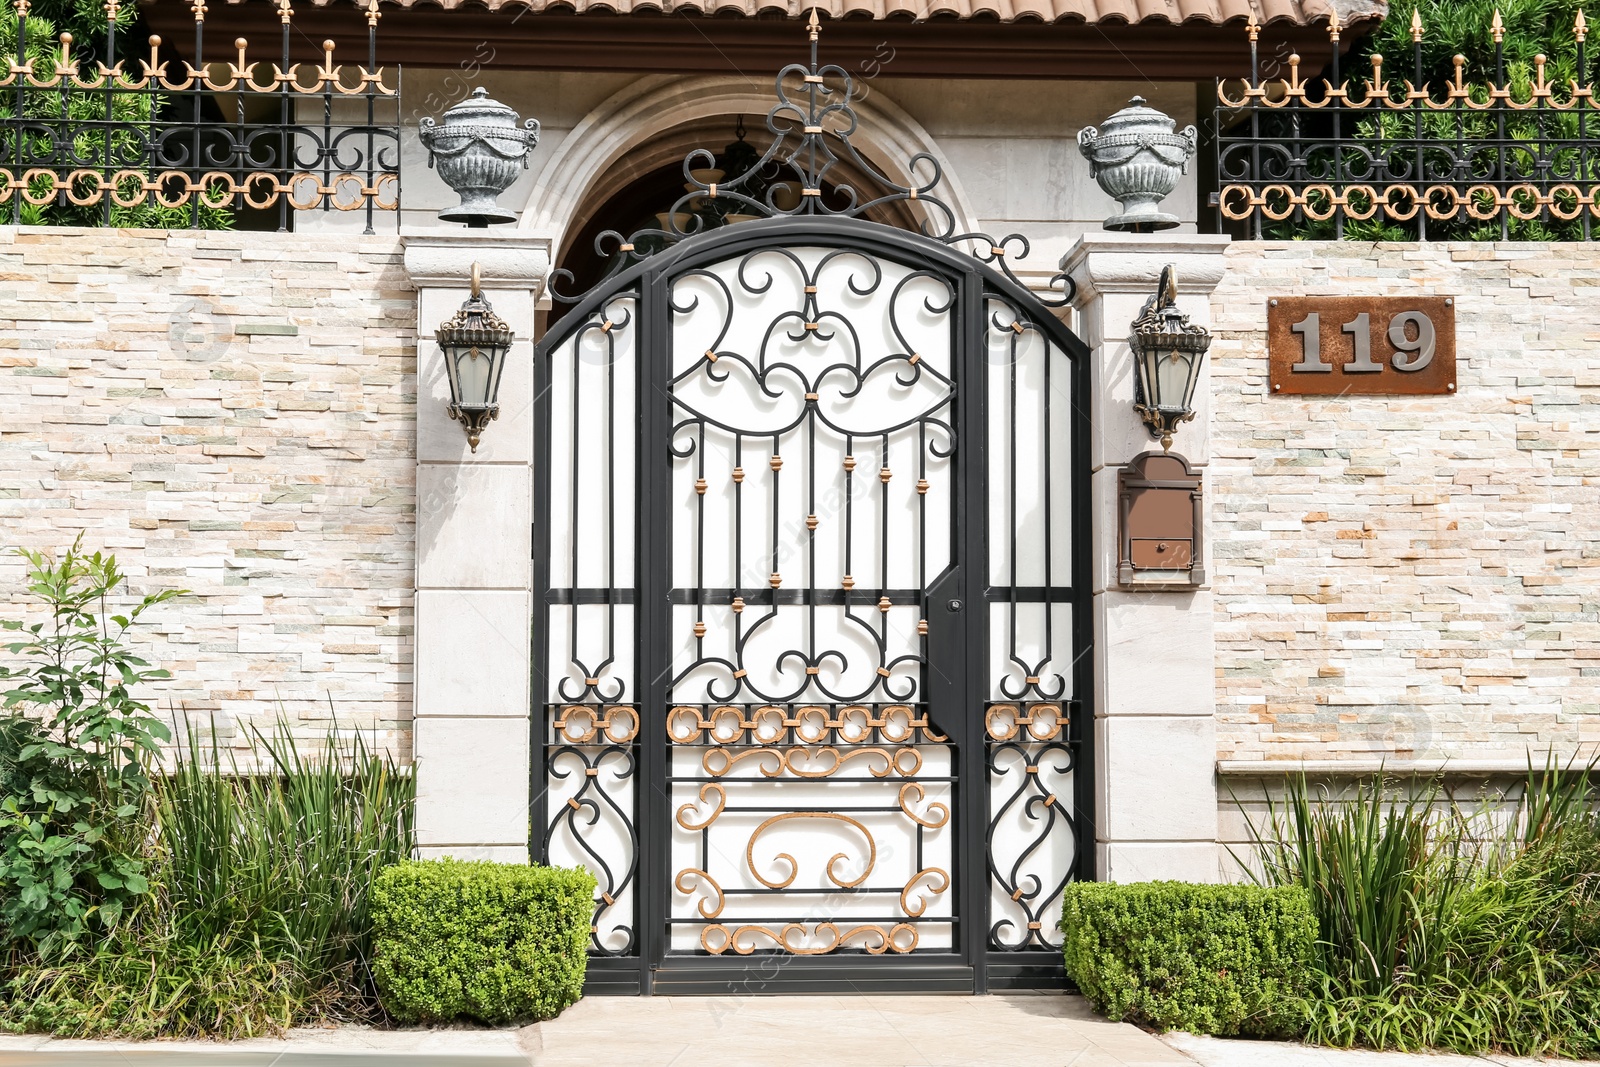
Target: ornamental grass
[(257, 914), (1470, 928)]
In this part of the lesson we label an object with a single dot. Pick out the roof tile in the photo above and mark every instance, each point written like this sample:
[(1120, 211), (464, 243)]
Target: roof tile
[(1093, 11)]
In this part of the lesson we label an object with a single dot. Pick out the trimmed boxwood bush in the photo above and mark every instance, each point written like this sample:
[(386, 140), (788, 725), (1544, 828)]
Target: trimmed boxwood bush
[(491, 941), (1211, 959)]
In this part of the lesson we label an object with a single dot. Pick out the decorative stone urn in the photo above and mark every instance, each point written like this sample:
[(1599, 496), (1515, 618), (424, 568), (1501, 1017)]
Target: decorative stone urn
[(1137, 159), (478, 150)]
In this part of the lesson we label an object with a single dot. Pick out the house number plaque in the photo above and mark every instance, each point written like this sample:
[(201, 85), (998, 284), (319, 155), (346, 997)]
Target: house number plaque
[(1366, 345)]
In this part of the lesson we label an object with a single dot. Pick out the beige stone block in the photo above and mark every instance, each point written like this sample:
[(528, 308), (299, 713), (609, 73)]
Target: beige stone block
[(1167, 861), (1155, 653), (1156, 779), (472, 653), (472, 782), (474, 526)]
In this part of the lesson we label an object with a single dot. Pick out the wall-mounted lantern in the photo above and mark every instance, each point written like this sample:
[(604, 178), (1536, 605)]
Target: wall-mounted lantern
[(475, 342), (1167, 352)]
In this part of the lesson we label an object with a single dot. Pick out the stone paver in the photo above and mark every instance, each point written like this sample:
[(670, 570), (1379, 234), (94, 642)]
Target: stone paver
[(1007, 1030)]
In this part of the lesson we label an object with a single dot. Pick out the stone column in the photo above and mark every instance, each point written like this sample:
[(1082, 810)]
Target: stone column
[(474, 575), (1155, 651)]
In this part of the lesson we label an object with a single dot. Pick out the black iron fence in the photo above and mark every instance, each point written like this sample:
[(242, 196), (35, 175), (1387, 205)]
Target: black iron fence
[(196, 135), (1385, 154)]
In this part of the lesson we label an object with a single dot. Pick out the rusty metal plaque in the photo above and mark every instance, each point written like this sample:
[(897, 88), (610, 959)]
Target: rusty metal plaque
[(1362, 345)]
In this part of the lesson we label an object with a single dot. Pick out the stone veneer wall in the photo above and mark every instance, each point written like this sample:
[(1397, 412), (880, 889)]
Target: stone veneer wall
[(232, 414), (1411, 577)]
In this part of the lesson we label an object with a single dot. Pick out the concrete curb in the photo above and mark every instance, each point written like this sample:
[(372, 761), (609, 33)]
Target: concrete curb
[(304, 1048)]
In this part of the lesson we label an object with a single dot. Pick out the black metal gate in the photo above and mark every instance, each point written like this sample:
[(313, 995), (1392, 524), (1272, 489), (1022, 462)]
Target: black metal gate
[(812, 621)]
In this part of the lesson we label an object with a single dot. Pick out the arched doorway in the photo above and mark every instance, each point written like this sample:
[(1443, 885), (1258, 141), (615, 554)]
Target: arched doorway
[(640, 191), (812, 586)]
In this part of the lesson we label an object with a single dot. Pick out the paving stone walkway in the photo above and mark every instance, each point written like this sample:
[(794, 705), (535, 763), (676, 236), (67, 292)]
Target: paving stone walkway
[(1007, 1030)]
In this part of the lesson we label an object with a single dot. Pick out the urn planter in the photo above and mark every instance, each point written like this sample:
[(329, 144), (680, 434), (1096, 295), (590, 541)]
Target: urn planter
[(479, 149), (1138, 158)]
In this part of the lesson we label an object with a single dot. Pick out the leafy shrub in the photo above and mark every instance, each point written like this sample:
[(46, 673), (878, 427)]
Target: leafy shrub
[(487, 940), (257, 919), (1213, 959), (74, 786), (217, 900)]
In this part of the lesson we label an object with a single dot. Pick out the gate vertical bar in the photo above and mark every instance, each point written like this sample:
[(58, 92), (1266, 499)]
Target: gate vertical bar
[(972, 556), (653, 619), (1081, 713), (539, 632)]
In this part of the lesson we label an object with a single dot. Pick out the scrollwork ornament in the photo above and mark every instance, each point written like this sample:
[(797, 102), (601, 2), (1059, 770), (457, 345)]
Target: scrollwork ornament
[(812, 125)]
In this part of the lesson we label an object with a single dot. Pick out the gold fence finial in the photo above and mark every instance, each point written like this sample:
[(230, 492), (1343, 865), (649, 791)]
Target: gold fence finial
[(1416, 24), (1497, 27), (815, 25), (1334, 26), (22, 8), (199, 9), (1580, 26), (1253, 26), (285, 12), (111, 12), (372, 12)]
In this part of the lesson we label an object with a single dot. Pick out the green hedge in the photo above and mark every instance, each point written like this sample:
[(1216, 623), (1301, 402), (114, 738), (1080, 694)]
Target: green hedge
[(1211, 959), (491, 941)]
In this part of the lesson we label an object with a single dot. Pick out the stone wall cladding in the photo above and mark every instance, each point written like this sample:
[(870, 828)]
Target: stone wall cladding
[(1413, 577), (154, 399)]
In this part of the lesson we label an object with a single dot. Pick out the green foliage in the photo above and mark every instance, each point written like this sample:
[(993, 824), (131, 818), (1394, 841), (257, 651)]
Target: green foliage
[(157, 985), (74, 748), (1469, 929), (119, 149), (258, 918), (285, 860), (489, 941), (1213, 959)]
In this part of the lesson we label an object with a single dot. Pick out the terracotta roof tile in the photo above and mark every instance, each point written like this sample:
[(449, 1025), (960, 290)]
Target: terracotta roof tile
[(1091, 11)]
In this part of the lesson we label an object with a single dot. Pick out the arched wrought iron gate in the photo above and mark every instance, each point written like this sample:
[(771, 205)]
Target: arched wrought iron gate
[(812, 622)]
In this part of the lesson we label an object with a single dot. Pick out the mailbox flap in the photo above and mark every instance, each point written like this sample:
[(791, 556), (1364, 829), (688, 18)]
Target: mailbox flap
[(1149, 553)]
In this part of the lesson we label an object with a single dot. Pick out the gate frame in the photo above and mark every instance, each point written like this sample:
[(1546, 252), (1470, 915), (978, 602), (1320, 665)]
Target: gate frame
[(973, 967)]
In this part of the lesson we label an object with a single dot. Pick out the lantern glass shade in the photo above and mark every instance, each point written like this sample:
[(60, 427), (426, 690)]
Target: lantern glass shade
[(1169, 378), (474, 372), (474, 343)]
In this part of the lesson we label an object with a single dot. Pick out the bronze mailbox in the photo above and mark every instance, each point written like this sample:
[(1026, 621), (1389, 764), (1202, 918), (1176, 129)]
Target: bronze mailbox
[(1161, 526)]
